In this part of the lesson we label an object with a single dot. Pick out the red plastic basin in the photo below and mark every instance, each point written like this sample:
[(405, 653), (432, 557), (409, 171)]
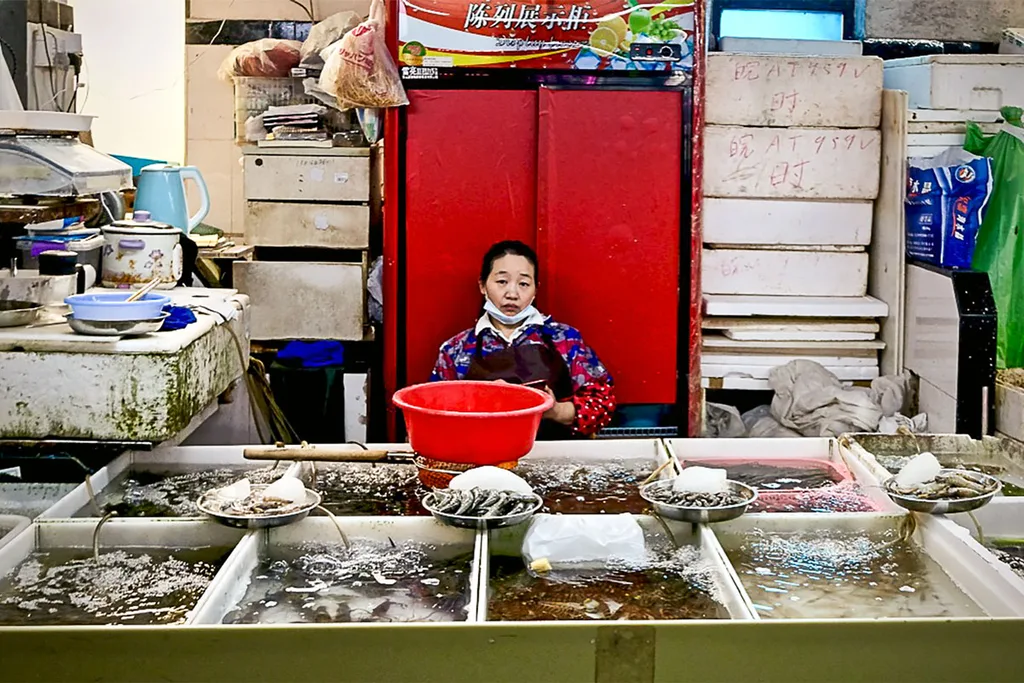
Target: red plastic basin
[(482, 423)]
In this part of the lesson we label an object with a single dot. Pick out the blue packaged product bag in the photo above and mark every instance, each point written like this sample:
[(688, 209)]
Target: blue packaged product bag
[(945, 205)]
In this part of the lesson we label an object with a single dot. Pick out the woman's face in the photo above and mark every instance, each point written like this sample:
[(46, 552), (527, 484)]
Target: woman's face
[(511, 285)]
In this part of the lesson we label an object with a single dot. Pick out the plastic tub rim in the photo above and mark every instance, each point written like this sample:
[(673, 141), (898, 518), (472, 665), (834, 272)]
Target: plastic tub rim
[(522, 412)]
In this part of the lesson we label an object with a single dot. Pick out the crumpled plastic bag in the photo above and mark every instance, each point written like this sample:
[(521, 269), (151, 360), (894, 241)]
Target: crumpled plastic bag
[(323, 33), (179, 317), (1000, 247), (894, 423), (375, 289), (582, 540), (359, 70), (722, 422), (812, 401), (264, 58)]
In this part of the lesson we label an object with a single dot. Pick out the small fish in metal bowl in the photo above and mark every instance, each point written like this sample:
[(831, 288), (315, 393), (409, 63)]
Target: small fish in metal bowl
[(700, 495), (477, 507), (925, 486), (245, 506)]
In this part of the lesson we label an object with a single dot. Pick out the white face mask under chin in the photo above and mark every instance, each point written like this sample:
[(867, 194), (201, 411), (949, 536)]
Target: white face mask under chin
[(519, 317)]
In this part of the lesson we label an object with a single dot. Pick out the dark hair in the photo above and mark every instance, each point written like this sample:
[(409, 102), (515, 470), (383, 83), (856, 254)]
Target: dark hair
[(506, 248)]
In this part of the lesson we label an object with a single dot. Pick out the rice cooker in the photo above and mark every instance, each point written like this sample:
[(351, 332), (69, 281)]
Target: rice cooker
[(139, 250)]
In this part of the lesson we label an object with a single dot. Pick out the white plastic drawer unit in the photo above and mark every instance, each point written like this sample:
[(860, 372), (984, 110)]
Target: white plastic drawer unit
[(985, 82), (330, 175), (792, 90)]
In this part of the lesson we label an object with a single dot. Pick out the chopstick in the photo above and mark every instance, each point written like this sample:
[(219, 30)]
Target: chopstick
[(144, 291)]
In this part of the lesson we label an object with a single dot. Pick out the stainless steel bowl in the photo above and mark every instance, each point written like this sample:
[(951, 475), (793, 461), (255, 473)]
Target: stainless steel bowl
[(699, 515), (116, 328), (259, 521), (466, 522), (944, 506), (17, 313)]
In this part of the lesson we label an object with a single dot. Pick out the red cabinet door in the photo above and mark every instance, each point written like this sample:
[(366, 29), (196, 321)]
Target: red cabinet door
[(470, 181), (608, 225)]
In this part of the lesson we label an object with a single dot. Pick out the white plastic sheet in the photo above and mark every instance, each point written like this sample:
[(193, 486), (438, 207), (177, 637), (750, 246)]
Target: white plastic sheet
[(584, 540)]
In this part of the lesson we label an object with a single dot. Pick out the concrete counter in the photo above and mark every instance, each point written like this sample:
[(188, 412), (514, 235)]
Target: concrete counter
[(59, 384)]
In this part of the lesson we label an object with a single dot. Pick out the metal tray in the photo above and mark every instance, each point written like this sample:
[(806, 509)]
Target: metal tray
[(259, 521), (941, 506), (18, 313), (466, 522), (700, 515), (116, 328)]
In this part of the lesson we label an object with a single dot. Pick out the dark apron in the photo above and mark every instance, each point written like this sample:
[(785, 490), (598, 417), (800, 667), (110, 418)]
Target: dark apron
[(523, 364)]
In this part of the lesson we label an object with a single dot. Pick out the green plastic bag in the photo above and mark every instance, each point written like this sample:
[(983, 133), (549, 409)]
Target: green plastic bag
[(1000, 250)]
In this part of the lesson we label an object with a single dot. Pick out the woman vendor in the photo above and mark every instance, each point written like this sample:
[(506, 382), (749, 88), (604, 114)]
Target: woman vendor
[(514, 342)]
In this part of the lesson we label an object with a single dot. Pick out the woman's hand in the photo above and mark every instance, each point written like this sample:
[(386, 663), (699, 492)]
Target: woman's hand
[(563, 412)]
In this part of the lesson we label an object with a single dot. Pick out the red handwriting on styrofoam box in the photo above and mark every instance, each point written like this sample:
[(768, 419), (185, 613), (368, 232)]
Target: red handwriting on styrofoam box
[(804, 162)]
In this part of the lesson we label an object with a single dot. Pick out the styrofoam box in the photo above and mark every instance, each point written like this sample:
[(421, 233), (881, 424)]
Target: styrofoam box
[(1013, 42), (992, 590), (764, 449), (508, 542), (177, 459), (789, 307), (787, 273), (787, 222), (1010, 410), (782, 46), (339, 174), (986, 82), (229, 586), (1002, 519), (292, 224), (844, 373), (303, 300), (792, 163), (123, 533), (794, 90)]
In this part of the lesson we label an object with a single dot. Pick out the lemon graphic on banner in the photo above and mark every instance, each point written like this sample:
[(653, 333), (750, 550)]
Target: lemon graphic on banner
[(604, 39)]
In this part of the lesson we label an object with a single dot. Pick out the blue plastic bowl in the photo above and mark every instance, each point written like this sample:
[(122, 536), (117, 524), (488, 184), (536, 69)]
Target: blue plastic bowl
[(113, 306)]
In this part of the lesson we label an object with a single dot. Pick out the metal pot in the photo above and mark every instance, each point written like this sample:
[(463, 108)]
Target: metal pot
[(18, 313), (139, 251)]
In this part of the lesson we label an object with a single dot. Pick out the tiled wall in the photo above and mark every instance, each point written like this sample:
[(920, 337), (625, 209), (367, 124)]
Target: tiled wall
[(210, 102)]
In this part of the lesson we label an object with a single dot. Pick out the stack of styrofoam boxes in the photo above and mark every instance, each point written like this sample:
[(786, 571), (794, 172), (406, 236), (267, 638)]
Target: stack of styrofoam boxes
[(946, 91), (308, 213), (791, 169)]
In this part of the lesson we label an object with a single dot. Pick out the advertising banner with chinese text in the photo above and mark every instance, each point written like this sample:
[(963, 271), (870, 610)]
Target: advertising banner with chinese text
[(601, 35)]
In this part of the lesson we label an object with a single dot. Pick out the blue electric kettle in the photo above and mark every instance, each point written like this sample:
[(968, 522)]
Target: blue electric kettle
[(161, 192)]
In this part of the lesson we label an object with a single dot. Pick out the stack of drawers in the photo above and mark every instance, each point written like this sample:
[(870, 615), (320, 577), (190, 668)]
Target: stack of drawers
[(308, 213)]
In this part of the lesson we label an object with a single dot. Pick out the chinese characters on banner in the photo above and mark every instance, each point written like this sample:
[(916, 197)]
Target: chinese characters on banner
[(591, 36)]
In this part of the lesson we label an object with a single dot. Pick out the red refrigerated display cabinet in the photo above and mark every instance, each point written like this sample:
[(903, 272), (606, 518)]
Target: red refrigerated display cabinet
[(595, 176)]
